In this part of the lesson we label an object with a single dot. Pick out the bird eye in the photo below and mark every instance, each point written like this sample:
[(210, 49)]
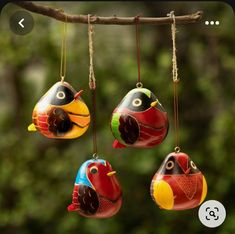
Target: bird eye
[(94, 170), (193, 165), (60, 95), (170, 165), (137, 102)]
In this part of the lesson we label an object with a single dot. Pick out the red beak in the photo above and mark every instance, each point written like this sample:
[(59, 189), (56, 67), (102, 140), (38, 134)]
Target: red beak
[(183, 163), (187, 171), (78, 94)]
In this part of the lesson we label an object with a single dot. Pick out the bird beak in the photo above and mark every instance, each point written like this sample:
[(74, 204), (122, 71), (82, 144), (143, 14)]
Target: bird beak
[(183, 163), (187, 171), (78, 94), (111, 173), (153, 104)]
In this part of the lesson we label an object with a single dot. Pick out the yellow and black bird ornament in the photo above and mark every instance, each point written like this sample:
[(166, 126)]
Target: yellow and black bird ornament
[(61, 113)]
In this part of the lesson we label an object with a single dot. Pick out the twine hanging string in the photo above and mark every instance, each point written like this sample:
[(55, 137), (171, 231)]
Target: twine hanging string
[(137, 35), (175, 82), (63, 61), (92, 85)]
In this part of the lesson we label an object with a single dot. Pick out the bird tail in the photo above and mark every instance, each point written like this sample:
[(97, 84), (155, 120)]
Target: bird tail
[(117, 144), (32, 128), (73, 207)]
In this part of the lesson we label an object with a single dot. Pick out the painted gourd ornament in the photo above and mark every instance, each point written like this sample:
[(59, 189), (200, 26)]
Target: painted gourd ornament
[(61, 113), (139, 120), (178, 184), (96, 192)]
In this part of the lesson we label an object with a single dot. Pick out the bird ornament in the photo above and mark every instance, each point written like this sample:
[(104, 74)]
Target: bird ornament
[(139, 120), (178, 184), (61, 113), (96, 192)]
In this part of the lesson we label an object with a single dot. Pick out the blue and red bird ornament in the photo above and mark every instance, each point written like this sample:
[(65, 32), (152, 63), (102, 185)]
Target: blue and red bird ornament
[(61, 113), (139, 120), (96, 192), (178, 184)]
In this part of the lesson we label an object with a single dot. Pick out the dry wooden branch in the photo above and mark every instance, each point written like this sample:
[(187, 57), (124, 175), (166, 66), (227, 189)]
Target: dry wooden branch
[(59, 14)]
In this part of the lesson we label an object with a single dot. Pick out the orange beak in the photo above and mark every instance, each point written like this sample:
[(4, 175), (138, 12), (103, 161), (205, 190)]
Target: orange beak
[(111, 173), (153, 104), (78, 94)]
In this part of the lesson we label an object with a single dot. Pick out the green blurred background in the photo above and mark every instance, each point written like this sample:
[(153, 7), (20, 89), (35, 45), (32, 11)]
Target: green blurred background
[(37, 174)]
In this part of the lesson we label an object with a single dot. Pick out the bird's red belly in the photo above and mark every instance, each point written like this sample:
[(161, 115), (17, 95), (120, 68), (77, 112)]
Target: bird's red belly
[(150, 136), (153, 126), (187, 190)]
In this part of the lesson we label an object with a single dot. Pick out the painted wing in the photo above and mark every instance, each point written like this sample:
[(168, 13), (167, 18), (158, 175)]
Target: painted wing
[(58, 121), (84, 200), (129, 129)]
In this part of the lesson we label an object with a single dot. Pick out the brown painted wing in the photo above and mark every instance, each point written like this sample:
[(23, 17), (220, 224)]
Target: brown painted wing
[(58, 121), (88, 200), (129, 129)]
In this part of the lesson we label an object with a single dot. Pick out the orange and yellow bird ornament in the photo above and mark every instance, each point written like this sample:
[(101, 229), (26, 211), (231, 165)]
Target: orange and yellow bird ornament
[(61, 113)]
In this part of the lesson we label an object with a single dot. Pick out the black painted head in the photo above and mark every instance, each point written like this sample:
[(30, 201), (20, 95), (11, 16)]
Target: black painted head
[(178, 163), (59, 94), (138, 99)]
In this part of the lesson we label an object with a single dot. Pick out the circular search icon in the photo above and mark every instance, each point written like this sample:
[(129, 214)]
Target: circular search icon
[(212, 213)]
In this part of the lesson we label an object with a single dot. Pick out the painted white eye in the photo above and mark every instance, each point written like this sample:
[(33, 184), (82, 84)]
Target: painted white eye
[(170, 165), (136, 102), (60, 95), (93, 170), (193, 165)]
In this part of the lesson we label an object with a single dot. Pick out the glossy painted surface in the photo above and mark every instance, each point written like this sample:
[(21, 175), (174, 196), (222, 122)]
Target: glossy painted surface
[(178, 184), (139, 120), (61, 113), (96, 192)]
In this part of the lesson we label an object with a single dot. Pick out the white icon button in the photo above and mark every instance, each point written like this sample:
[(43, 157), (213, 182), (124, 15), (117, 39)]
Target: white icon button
[(20, 23), (212, 213)]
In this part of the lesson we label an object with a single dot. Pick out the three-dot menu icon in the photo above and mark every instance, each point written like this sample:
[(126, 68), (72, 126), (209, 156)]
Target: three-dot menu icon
[(211, 22)]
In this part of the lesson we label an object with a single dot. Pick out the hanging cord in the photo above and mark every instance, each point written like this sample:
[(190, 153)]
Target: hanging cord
[(137, 35), (63, 52), (175, 82), (92, 85)]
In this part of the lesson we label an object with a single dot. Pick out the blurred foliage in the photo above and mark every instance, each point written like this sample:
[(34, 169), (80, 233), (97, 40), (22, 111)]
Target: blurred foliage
[(37, 174)]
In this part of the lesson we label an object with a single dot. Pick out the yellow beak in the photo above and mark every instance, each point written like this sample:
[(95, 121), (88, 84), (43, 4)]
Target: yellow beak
[(111, 173), (153, 104)]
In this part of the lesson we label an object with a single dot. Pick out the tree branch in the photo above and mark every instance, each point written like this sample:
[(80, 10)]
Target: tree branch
[(59, 14)]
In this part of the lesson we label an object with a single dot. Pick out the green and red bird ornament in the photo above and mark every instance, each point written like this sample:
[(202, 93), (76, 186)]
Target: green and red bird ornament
[(139, 120)]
